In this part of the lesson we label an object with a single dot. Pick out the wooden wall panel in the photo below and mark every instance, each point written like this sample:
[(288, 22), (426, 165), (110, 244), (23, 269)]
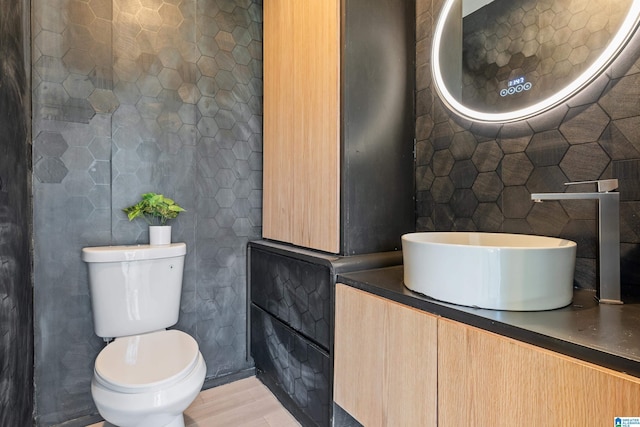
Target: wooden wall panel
[(301, 123), (488, 380), (378, 378)]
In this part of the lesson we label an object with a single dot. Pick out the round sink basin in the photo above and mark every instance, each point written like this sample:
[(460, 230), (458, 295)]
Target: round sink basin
[(490, 270)]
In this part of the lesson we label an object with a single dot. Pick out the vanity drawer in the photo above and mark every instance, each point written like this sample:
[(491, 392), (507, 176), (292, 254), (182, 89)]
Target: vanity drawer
[(294, 291), (296, 370)]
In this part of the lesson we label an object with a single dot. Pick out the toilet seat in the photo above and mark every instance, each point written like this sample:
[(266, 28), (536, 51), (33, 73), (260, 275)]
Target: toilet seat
[(141, 363)]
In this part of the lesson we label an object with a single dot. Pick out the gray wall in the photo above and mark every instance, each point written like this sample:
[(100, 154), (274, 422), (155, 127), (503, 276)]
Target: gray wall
[(130, 97), (475, 177), (16, 306)]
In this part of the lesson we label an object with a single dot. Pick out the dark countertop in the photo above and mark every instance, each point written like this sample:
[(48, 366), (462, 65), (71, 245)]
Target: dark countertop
[(606, 335)]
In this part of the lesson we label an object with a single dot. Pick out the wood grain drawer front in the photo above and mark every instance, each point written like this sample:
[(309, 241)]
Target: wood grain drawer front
[(385, 355), (485, 379), (301, 141)]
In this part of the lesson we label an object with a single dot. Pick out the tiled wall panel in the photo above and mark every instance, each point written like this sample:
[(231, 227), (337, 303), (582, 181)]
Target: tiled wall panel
[(471, 176), (130, 97)]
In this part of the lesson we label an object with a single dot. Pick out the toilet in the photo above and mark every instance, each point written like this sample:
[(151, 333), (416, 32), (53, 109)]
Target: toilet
[(148, 375)]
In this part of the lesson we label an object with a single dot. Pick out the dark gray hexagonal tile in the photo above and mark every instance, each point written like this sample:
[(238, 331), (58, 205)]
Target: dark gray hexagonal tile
[(189, 93), (547, 148), (487, 187), (441, 136), (127, 138), (225, 216), (51, 44), (51, 69), (77, 158), (100, 148), (51, 144), (103, 101), (463, 203), (77, 110), (149, 85), (488, 217), (616, 145), (170, 79), (207, 86), (225, 178), (100, 198), (548, 179), (126, 161), (225, 41), (463, 145), (516, 202), (224, 119), (78, 183), (463, 174), (78, 86), (487, 156), (50, 170), (619, 100), (442, 189), (584, 162), (547, 218), (516, 169), (208, 126), (442, 162), (169, 122), (584, 125), (100, 172)]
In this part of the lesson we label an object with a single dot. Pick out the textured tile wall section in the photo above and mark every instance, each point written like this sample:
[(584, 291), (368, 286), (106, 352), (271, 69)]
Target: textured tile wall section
[(130, 97), (471, 176)]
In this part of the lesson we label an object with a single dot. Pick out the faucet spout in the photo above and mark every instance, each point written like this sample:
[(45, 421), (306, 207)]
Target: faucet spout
[(539, 197), (608, 234)]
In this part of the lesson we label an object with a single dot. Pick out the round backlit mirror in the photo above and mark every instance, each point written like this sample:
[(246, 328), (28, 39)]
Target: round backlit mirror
[(507, 60)]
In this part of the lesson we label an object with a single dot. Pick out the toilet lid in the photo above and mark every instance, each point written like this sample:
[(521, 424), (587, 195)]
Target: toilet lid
[(142, 362)]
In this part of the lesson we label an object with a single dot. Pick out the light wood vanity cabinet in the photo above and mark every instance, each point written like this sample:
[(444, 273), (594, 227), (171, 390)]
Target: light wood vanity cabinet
[(485, 379), (338, 123), (395, 365), (385, 360)]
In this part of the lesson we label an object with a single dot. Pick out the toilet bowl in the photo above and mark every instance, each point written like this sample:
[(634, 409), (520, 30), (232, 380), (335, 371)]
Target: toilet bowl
[(148, 380), (148, 375)]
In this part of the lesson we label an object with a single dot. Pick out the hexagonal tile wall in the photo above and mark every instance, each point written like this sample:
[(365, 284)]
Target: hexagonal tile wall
[(130, 97), (593, 136), (550, 43)]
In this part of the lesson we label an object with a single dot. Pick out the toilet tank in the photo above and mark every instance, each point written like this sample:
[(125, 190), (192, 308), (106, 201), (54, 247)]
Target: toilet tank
[(134, 289)]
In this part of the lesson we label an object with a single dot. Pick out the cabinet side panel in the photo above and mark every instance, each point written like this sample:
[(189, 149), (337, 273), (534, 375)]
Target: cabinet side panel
[(378, 125), (385, 355), (488, 380)]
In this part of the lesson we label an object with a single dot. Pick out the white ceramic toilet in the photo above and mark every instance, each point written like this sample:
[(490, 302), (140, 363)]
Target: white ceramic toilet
[(148, 375)]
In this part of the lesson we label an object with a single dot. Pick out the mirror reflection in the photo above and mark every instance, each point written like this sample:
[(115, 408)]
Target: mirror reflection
[(505, 56)]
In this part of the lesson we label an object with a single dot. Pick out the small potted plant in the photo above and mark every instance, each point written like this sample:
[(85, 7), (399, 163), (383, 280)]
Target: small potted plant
[(156, 210)]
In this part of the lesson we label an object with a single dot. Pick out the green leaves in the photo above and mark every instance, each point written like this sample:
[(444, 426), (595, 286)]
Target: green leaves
[(154, 208)]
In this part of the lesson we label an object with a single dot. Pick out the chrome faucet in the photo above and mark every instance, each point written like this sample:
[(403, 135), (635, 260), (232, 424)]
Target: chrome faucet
[(608, 233)]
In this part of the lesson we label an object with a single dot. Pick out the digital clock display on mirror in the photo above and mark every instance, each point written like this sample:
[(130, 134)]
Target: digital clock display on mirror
[(516, 85)]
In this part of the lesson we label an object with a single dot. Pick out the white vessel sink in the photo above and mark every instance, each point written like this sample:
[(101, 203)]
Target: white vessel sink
[(490, 270)]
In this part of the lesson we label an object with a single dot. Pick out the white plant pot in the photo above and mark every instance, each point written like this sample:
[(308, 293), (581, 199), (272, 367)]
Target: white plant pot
[(159, 235)]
